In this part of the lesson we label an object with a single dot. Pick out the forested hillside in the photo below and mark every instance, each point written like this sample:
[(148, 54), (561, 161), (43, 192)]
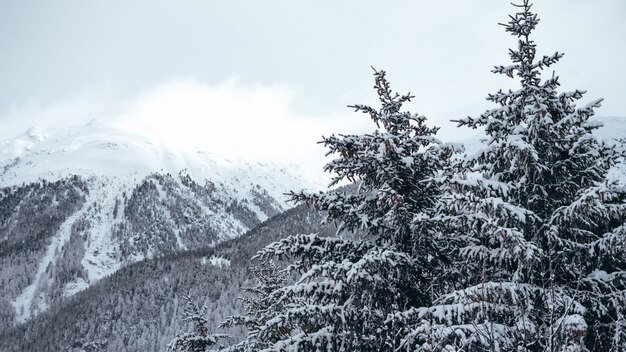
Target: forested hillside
[(139, 308)]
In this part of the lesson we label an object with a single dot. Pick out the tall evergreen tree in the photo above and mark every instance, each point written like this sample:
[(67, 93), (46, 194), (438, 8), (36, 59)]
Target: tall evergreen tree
[(543, 228), (349, 289)]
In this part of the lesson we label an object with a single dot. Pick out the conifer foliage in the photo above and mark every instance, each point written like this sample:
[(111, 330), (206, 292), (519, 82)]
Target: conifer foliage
[(520, 247), (542, 227), (348, 288)]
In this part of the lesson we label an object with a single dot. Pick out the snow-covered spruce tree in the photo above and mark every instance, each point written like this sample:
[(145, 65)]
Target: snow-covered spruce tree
[(259, 307), (349, 288), (199, 340), (544, 252)]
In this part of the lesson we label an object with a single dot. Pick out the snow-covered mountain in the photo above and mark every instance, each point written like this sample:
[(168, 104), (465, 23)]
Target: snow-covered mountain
[(79, 203), (98, 149)]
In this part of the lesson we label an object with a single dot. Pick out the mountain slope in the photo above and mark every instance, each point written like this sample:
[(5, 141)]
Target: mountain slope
[(138, 308), (135, 198)]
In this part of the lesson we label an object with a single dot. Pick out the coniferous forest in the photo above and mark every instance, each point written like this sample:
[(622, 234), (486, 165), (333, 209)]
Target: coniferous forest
[(416, 245)]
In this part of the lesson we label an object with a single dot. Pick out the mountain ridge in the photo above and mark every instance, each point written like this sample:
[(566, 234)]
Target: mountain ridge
[(132, 198)]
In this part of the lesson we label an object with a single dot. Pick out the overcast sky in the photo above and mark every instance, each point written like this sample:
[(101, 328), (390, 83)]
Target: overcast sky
[(203, 70)]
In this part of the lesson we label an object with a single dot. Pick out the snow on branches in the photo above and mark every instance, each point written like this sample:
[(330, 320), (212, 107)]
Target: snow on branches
[(519, 247), (346, 290), (557, 210)]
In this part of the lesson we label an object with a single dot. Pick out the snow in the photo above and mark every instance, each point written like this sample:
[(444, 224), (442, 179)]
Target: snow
[(113, 162), (408, 161), (100, 253), (168, 218), (613, 129), (218, 262), (572, 323), (613, 126), (73, 288), (25, 301), (35, 134), (103, 150)]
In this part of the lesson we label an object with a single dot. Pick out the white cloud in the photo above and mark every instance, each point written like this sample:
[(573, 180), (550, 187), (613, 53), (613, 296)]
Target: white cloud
[(250, 121), (226, 118)]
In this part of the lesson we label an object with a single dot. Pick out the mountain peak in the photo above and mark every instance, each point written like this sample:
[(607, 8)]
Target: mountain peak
[(35, 134), (100, 149)]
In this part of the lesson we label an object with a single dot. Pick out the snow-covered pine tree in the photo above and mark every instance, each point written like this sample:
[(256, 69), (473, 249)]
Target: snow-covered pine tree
[(259, 307), (350, 288), (199, 340), (544, 252)]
